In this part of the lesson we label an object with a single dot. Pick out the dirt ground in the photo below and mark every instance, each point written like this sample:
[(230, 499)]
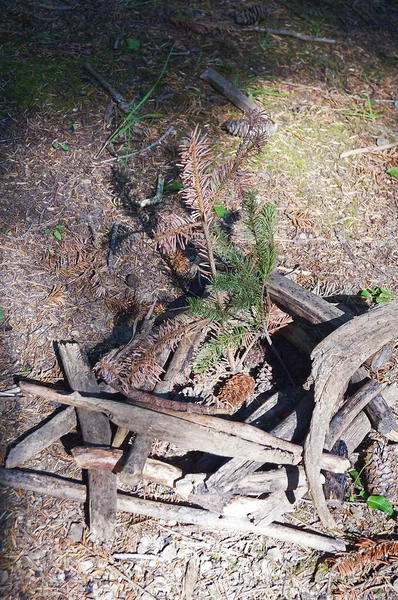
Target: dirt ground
[(63, 193)]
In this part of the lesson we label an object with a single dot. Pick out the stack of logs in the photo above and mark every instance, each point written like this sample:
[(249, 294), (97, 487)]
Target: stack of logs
[(237, 495)]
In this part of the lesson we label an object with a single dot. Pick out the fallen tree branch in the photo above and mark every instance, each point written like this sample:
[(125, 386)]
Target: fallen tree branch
[(216, 435), (368, 150), (335, 360), (228, 90), (76, 492), (142, 151), (118, 98), (290, 33)]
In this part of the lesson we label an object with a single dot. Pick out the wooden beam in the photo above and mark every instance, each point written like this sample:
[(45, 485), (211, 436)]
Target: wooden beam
[(96, 430), (57, 425)]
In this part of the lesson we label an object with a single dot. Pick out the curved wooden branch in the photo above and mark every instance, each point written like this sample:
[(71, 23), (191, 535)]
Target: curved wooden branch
[(335, 360)]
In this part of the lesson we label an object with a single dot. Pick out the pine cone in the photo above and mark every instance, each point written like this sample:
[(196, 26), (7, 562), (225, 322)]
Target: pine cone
[(243, 128), (380, 470), (236, 391), (251, 15)]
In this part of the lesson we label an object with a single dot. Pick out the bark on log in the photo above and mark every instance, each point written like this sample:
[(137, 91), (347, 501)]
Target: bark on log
[(96, 430), (335, 360), (216, 435), (304, 303), (59, 424), (112, 459), (228, 90), (76, 491)]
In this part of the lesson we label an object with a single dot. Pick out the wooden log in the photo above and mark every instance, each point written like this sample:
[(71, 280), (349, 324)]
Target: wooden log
[(276, 505), (350, 409), (112, 459), (96, 430), (277, 480), (294, 426), (335, 360), (361, 425), (72, 490), (304, 303), (378, 411), (228, 90), (216, 435), (136, 459), (59, 424)]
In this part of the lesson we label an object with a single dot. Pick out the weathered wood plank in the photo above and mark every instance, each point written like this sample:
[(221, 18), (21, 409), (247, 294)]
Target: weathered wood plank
[(76, 491), (96, 430), (59, 424)]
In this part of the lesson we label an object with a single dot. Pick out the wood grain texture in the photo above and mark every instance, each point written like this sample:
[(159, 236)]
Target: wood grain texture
[(75, 491), (335, 360), (58, 425), (96, 430)]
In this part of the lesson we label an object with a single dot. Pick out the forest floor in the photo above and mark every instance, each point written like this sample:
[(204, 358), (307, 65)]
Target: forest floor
[(62, 196)]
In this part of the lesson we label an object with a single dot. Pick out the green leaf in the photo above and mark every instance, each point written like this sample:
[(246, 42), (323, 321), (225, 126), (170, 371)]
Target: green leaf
[(65, 147), (75, 126), (393, 171), (173, 187), (2, 316), (380, 503), (220, 209), (60, 228), (47, 231), (132, 44), (57, 235), (365, 294), (56, 144)]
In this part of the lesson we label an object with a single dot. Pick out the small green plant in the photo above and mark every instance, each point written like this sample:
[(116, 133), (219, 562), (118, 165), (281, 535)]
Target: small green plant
[(63, 147), (56, 232), (2, 316), (367, 113), (377, 502), (125, 128), (132, 45), (393, 172), (377, 295)]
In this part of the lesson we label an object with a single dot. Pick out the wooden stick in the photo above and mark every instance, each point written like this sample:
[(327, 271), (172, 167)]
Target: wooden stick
[(118, 98), (136, 459), (76, 491), (190, 435), (96, 430), (277, 504), (228, 90), (112, 459), (335, 360), (290, 33), (361, 425), (304, 303), (157, 142), (369, 150), (350, 409), (59, 424)]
